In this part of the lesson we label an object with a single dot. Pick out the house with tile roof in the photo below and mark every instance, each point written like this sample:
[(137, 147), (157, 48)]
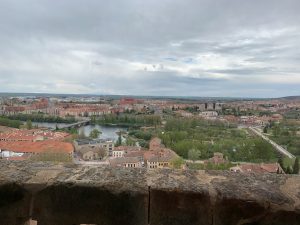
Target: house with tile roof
[(127, 162), (258, 168)]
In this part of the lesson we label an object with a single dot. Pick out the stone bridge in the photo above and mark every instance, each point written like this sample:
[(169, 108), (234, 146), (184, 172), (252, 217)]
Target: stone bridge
[(55, 194), (77, 124)]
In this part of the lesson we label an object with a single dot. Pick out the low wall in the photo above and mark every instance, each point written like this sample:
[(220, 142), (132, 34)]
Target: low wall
[(55, 194)]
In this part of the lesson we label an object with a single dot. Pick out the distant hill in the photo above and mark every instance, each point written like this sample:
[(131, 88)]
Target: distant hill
[(291, 98), (178, 98)]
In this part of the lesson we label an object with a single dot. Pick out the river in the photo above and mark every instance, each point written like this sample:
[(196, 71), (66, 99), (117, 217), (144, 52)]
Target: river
[(107, 131)]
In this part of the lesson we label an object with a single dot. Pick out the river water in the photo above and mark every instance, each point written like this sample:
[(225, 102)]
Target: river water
[(107, 131)]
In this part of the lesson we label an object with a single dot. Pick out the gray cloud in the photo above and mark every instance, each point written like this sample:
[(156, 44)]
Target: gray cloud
[(152, 47)]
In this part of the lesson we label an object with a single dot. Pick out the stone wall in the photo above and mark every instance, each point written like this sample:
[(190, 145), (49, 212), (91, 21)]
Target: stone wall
[(55, 194)]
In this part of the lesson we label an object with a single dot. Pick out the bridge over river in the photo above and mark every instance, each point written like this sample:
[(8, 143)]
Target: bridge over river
[(77, 124)]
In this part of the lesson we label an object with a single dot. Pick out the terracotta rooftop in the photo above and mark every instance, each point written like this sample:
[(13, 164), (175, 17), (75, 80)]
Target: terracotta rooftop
[(159, 155), (127, 148), (31, 135), (135, 154), (155, 143), (37, 147)]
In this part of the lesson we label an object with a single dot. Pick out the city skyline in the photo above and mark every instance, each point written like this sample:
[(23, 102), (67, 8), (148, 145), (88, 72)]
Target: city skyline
[(120, 96), (152, 48)]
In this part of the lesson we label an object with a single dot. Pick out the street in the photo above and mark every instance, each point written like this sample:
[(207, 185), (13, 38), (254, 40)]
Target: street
[(275, 145)]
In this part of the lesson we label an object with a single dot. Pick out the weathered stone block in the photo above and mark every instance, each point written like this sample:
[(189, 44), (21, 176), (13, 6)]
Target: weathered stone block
[(14, 204), (71, 204), (57, 194)]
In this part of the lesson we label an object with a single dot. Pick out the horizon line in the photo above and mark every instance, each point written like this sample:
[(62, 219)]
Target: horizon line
[(149, 96)]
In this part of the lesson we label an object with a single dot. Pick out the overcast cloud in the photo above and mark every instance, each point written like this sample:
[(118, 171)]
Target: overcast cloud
[(248, 48)]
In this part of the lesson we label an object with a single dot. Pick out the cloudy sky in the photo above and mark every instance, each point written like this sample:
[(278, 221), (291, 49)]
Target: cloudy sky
[(238, 48)]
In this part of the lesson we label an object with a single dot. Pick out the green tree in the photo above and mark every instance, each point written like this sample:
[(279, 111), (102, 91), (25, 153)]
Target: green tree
[(93, 120), (265, 129), (73, 131), (262, 150), (119, 141), (95, 133), (296, 166), (177, 163), (10, 123), (194, 154), (276, 130), (29, 124), (289, 170), (130, 142)]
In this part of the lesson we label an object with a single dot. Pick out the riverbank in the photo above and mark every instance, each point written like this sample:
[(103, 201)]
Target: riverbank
[(124, 125), (4, 121), (43, 118)]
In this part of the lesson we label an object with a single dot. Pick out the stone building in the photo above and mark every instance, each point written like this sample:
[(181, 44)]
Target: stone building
[(106, 144), (88, 153), (158, 155), (218, 158), (127, 162), (120, 151), (158, 162), (207, 106)]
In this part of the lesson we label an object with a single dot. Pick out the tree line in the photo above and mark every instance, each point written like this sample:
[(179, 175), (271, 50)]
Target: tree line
[(10, 123), (129, 120), (40, 117)]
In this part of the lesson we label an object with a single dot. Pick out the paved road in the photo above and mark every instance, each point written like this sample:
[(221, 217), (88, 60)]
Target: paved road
[(275, 145)]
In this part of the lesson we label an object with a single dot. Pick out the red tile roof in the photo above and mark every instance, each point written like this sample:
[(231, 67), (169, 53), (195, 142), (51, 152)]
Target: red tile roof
[(32, 135), (37, 147), (127, 148), (155, 143)]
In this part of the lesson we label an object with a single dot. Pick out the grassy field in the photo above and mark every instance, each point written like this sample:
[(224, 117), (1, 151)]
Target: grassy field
[(207, 137)]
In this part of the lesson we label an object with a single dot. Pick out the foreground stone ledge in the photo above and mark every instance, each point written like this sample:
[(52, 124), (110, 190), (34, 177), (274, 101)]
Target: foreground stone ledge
[(56, 194)]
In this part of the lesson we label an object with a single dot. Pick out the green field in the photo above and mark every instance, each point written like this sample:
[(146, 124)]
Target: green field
[(206, 137)]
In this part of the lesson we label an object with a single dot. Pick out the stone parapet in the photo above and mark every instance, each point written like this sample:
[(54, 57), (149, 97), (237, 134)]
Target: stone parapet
[(57, 194)]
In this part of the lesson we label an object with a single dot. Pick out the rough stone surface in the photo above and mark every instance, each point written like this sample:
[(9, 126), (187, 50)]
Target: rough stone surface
[(56, 194)]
